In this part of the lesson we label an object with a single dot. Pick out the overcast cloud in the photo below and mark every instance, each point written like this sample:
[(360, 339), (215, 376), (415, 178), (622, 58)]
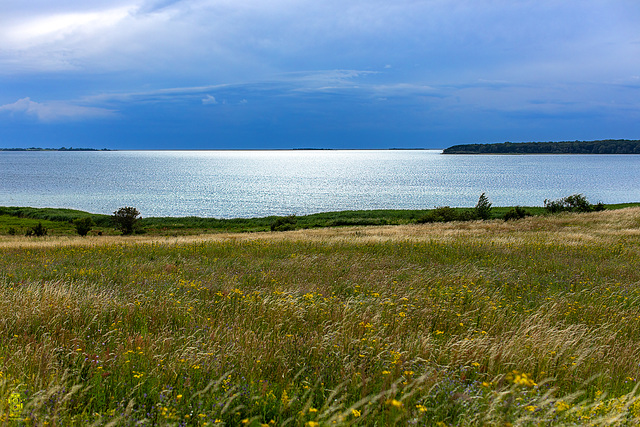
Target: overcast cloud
[(285, 73)]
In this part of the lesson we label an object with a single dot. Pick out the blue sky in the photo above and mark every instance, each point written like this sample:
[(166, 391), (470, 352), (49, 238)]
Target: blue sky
[(253, 74)]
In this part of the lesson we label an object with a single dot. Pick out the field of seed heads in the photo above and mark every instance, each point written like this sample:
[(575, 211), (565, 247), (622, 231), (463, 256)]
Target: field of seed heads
[(478, 323)]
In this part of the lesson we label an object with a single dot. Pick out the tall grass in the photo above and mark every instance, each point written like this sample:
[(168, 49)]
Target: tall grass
[(526, 322)]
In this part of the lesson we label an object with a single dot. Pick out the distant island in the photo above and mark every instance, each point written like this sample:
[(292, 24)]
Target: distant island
[(53, 149), (607, 146)]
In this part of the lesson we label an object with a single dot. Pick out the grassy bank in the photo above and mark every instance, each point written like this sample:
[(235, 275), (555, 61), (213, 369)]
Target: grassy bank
[(60, 221), (521, 322)]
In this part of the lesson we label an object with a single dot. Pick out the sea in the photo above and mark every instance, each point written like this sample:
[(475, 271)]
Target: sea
[(244, 184)]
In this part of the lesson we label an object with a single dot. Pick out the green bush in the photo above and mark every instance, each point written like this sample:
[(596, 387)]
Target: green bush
[(515, 214), (126, 219), (12, 231), (83, 225), (573, 203), (578, 203), (284, 223), (37, 231), (466, 215), (482, 210), (440, 214)]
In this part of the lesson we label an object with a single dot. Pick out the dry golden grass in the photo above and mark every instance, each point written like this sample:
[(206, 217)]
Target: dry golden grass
[(416, 323)]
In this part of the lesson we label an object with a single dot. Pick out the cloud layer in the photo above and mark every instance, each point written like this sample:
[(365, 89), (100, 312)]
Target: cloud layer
[(55, 111), (446, 71)]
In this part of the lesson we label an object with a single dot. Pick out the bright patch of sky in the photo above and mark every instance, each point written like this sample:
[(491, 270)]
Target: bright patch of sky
[(330, 74)]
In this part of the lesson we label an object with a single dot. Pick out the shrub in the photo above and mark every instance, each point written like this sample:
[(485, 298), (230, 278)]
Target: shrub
[(515, 214), (466, 215), (483, 207), (12, 231), (573, 203), (126, 219), (440, 214), (83, 225), (578, 203), (554, 206), (37, 231), (284, 223)]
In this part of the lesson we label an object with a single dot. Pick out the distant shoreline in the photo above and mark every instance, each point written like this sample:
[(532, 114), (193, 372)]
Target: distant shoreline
[(54, 149), (222, 149), (607, 146)]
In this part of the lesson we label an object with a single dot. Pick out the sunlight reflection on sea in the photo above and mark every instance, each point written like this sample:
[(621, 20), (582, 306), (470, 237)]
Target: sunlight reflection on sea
[(229, 184)]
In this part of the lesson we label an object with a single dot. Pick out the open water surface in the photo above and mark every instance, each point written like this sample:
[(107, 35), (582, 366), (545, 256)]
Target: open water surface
[(233, 184)]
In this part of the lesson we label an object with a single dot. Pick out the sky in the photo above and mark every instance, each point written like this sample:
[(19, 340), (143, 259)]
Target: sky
[(283, 74)]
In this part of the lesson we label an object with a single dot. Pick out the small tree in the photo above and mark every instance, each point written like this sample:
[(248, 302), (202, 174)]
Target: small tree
[(83, 225), (483, 207), (126, 219)]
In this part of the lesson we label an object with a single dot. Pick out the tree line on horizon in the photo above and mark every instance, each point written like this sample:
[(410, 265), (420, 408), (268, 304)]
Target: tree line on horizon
[(54, 149), (607, 146)]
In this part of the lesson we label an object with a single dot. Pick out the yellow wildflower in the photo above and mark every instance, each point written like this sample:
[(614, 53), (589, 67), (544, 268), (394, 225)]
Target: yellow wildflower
[(395, 403), (15, 405), (523, 379)]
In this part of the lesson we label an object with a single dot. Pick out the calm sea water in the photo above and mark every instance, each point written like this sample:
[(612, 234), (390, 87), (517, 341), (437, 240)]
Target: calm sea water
[(227, 184)]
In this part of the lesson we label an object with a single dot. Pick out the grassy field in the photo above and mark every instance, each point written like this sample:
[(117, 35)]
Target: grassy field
[(529, 322), (59, 221)]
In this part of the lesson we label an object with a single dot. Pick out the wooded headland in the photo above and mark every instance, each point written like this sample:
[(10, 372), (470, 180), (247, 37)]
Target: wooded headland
[(607, 146)]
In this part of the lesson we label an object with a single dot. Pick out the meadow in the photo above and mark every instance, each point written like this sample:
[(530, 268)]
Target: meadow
[(528, 322)]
